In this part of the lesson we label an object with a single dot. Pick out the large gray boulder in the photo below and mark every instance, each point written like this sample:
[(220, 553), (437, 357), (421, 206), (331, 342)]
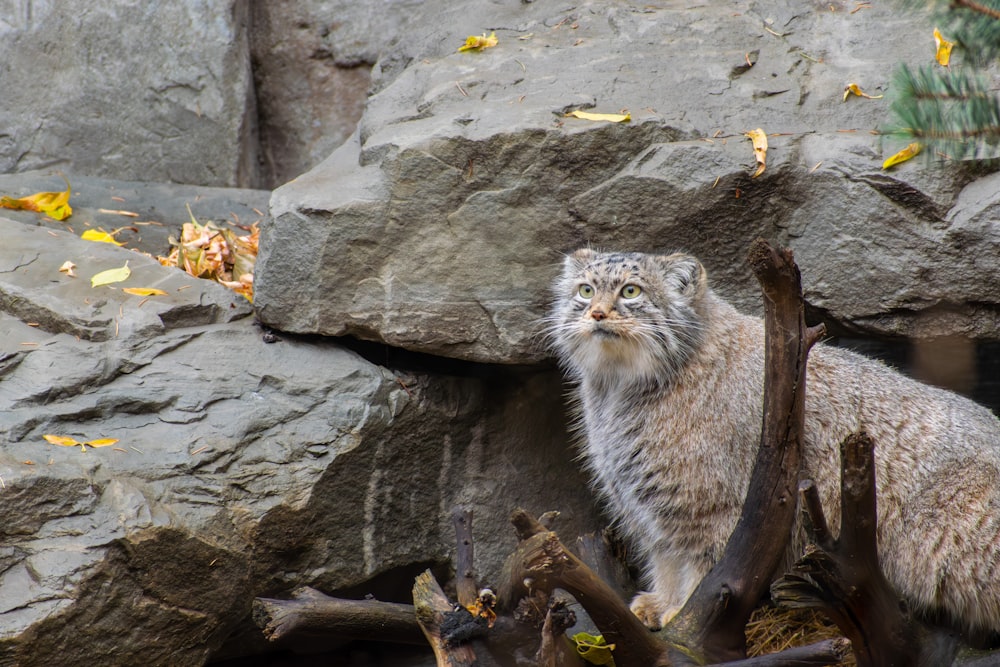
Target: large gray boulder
[(312, 62), (133, 91), (241, 469), (233, 93), (441, 225)]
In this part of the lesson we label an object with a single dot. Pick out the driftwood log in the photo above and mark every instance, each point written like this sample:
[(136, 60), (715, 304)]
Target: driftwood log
[(711, 625), (541, 562), (312, 612), (842, 577)]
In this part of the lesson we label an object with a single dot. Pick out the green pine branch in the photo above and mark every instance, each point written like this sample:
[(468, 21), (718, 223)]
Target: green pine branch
[(974, 25), (951, 113)]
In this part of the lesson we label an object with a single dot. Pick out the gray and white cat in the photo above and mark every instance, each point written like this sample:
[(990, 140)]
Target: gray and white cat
[(668, 386)]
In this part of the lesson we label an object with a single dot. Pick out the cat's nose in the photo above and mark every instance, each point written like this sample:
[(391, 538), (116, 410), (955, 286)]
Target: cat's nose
[(598, 314)]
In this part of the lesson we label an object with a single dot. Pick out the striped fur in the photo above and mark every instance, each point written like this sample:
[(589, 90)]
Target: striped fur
[(668, 393)]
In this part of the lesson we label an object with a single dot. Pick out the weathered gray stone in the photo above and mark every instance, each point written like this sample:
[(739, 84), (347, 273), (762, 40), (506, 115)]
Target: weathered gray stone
[(34, 290), (440, 226), (241, 468), (160, 208), (312, 65), (150, 91)]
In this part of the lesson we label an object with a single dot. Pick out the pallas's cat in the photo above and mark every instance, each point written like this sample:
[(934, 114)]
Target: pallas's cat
[(668, 392)]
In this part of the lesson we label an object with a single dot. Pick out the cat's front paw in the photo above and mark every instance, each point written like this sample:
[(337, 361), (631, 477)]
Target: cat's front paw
[(649, 610)]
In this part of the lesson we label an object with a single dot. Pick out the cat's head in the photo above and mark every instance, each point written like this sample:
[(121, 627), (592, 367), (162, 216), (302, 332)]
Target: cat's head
[(626, 317)]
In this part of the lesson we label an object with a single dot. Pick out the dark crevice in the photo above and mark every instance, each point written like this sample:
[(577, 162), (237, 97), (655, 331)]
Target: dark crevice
[(403, 360)]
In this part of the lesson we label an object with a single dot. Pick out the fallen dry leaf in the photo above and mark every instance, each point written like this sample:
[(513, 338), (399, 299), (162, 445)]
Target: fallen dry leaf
[(479, 42), (53, 204), (607, 117), (853, 88), (144, 291), (594, 649), (65, 441), (62, 440), (100, 236), (903, 155), (69, 268), (111, 276), (943, 53), (759, 139)]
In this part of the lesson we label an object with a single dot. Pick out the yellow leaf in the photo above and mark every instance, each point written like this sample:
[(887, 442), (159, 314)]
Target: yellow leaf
[(479, 42), (856, 90), (101, 442), (53, 204), (594, 649), (69, 268), (903, 155), (609, 117), (61, 440), (100, 236), (65, 441), (943, 54), (144, 291), (759, 140), (111, 276)]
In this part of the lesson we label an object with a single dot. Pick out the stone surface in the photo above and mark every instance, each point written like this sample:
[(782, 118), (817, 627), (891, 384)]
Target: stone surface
[(312, 69), (241, 468), (146, 215), (231, 93), (150, 91), (440, 226)]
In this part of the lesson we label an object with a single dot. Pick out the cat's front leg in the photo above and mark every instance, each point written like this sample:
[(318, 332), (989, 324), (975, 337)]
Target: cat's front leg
[(673, 582), (650, 610)]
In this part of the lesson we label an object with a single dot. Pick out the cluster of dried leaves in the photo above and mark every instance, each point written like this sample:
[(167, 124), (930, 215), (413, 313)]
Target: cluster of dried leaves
[(216, 253), (203, 250)]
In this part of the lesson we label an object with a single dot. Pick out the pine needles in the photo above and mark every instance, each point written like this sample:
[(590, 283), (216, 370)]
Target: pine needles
[(954, 113)]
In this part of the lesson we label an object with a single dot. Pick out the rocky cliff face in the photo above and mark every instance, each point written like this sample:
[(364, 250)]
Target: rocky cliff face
[(244, 468), (440, 225)]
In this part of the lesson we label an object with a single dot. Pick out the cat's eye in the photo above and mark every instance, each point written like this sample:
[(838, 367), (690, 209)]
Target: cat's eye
[(586, 291), (631, 291)]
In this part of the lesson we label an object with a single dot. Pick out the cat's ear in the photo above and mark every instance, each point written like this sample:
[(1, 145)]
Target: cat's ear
[(685, 273), (575, 261)]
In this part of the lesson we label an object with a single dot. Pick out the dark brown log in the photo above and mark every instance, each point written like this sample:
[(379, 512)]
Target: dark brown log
[(711, 624), (431, 604), (312, 612), (843, 577), (465, 574), (595, 550), (553, 651), (541, 561), (827, 652)]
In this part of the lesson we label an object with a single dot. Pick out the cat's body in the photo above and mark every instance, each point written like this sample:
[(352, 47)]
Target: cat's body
[(669, 384)]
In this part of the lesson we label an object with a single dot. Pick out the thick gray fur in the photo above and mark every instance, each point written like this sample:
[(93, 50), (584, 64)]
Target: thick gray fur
[(668, 389)]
